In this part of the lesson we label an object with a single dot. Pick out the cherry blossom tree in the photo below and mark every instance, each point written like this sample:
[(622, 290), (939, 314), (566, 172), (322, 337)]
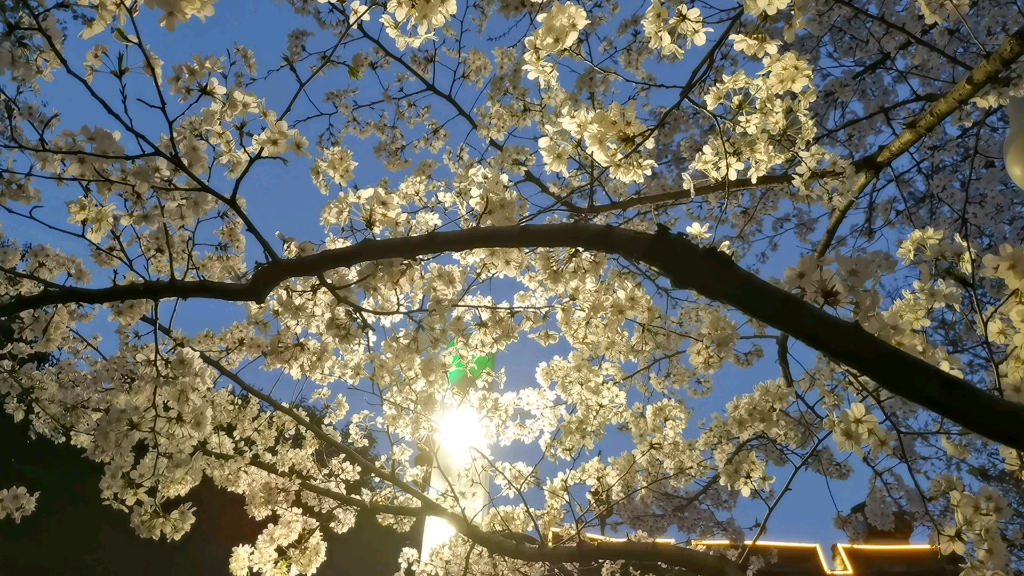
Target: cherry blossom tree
[(610, 178)]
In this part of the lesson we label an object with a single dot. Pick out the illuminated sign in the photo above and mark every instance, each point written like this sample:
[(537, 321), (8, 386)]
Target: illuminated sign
[(843, 565)]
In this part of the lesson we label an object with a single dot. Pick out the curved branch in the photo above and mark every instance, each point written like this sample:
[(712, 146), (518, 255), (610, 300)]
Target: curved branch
[(972, 84), (715, 276), (872, 165), (704, 270), (502, 544), (267, 276)]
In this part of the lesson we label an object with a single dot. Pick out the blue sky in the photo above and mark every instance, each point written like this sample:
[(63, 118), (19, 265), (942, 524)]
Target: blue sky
[(285, 199)]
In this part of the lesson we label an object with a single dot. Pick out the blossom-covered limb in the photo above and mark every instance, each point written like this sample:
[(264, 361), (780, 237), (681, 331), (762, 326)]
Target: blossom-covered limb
[(707, 272), (970, 86), (699, 562), (845, 342)]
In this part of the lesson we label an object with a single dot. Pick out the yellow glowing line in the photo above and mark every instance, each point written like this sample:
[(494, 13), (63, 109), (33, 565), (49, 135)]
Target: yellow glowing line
[(842, 560), (841, 548), (888, 546), (817, 547)]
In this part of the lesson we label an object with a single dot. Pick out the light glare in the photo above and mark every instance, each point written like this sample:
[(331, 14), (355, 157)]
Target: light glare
[(460, 432), (436, 531)]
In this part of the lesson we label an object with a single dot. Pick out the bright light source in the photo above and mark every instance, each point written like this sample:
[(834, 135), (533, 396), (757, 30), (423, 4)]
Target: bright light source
[(1013, 148), (436, 531), (460, 432)]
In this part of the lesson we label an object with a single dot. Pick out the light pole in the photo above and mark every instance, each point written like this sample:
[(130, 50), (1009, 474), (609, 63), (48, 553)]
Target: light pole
[(1013, 147), (460, 433)]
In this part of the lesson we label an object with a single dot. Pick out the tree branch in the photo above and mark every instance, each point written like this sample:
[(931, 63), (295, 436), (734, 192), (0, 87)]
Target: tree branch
[(715, 276), (872, 165), (507, 545), (696, 192), (972, 84), (704, 270)]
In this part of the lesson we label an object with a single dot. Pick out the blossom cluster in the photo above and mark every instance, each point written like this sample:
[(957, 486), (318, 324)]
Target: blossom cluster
[(17, 503), (767, 116), (559, 30), (614, 138), (663, 32), (575, 113)]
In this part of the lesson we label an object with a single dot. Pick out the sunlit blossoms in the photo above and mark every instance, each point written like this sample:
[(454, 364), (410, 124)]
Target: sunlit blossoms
[(337, 164), (688, 254), (559, 30), (411, 22), (766, 7), (664, 32), (854, 427), (614, 138), (1007, 265), (172, 12)]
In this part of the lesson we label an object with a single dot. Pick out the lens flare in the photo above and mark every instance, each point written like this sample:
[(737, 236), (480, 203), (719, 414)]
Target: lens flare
[(460, 432)]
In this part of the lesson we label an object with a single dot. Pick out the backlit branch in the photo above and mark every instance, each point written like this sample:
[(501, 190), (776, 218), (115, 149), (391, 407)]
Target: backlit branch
[(500, 544), (978, 79), (686, 265)]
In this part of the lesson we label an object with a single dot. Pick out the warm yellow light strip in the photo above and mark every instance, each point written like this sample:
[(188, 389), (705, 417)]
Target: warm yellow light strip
[(842, 548), (889, 546), (599, 538), (843, 558), (821, 553)]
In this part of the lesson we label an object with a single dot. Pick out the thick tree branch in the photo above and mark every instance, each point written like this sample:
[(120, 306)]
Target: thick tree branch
[(972, 84), (703, 270), (267, 276), (717, 277)]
